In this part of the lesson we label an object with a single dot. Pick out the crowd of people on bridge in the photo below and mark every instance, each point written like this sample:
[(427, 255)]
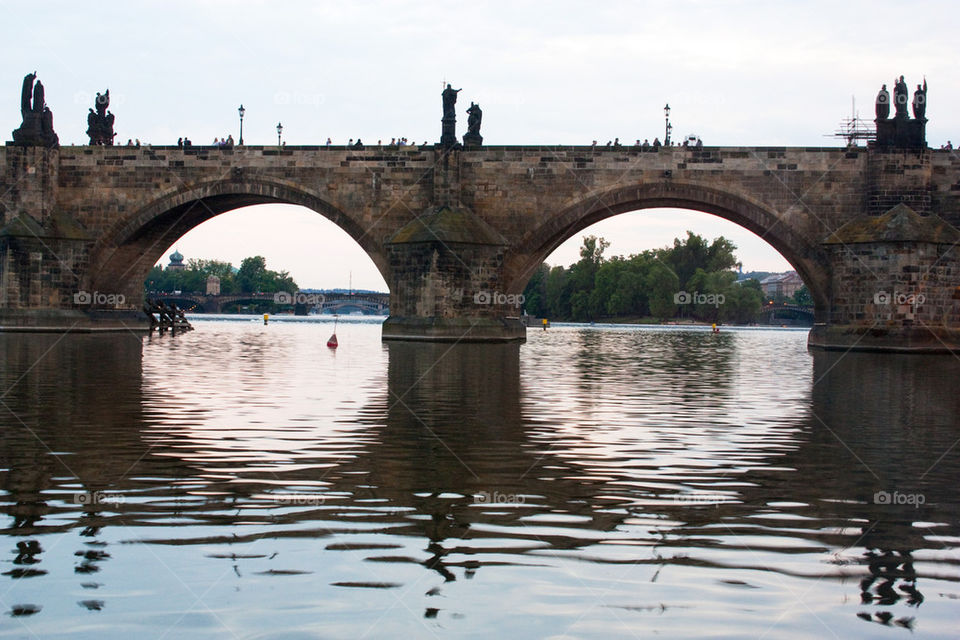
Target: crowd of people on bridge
[(646, 145)]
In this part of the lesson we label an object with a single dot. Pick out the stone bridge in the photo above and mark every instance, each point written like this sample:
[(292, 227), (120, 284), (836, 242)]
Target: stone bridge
[(325, 302), (873, 233)]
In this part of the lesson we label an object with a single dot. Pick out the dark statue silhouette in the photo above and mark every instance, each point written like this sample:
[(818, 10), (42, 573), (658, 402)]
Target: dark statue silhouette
[(474, 116), (901, 95), (902, 132), (920, 101), (883, 103), (448, 131), (449, 96), (36, 130), (100, 124)]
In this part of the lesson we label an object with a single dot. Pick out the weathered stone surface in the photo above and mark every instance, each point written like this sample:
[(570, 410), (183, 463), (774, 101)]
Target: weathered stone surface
[(100, 217), (900, 224)]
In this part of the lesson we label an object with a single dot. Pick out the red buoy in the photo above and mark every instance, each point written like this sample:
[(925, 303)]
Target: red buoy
[(332, 342)]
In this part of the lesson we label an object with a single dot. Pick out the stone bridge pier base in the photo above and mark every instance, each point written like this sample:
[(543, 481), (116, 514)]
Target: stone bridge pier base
[(897, 295), (447, 282)]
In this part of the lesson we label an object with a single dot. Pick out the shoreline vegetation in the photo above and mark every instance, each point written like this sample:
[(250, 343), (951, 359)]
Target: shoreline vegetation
[(693, 281)]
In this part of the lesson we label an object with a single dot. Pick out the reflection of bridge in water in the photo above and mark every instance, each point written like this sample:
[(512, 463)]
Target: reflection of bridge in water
[(303, 302)]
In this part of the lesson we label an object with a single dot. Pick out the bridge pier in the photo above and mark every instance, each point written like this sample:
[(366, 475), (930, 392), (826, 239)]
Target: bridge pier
[(894, 285), (447, 282)]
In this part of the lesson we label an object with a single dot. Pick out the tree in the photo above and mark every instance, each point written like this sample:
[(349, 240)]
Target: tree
[(743, 303), (662, 284), (252, 277), (535, 293), (802, 297), (558, 295), (252, 274)]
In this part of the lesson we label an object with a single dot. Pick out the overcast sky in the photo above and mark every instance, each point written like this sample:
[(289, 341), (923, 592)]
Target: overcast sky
[(734, 72)]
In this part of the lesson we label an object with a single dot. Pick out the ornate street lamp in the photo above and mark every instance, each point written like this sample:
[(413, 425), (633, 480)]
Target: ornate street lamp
[(279, 131), (241, 111), (666, 114)]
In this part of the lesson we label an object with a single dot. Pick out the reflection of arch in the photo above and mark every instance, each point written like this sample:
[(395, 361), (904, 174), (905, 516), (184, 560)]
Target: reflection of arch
[(122, 257), (534, 247)]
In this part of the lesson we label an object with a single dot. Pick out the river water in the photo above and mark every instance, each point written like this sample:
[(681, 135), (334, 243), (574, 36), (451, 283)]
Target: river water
[(244, 481)]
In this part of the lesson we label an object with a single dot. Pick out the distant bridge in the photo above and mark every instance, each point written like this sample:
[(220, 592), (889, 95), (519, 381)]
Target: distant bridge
[(795, 311), (302, 302)]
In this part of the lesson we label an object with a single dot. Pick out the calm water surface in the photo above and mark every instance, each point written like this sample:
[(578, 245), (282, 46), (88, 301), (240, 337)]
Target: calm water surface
[(243, 481)]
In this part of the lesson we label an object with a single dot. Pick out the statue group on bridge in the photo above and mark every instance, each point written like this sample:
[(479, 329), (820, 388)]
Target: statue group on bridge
[(448, 135), (901, 132), (36, 130), (100, 123)]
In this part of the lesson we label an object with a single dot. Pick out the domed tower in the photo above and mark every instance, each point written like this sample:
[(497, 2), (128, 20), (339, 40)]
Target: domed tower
[(176, 262)]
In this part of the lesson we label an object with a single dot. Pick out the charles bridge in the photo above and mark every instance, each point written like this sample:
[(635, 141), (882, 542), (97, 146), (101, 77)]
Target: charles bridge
[(457, 231)]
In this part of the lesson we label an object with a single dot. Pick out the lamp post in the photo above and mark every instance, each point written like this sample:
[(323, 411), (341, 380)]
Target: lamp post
[(241, 111), (666, 114), (279, 131)]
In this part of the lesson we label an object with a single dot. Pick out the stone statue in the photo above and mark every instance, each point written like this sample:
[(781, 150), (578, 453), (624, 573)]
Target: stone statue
[(102, 102), (38, 101), (472, 137), (474, 116), (901, 131), (901, 95), (100, 123), (883, 103), (449, 96), (920, 101), (36, 130), (448, 124), (25, 93)]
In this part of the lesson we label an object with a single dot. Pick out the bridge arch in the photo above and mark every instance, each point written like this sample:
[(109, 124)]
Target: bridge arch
[(122, 257), (776, 229)]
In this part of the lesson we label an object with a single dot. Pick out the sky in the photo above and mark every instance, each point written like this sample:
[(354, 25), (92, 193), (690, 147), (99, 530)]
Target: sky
[(737, 73)]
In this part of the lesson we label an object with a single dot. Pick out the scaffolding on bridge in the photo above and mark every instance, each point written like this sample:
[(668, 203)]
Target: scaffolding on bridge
[(855, 128)]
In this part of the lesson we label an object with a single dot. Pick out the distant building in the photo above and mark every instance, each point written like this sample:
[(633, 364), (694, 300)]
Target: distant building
[(213, 286), (781, 285), (176, 262)]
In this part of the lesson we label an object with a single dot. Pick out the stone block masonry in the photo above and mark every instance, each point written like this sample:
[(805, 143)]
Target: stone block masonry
[(444, 225)]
